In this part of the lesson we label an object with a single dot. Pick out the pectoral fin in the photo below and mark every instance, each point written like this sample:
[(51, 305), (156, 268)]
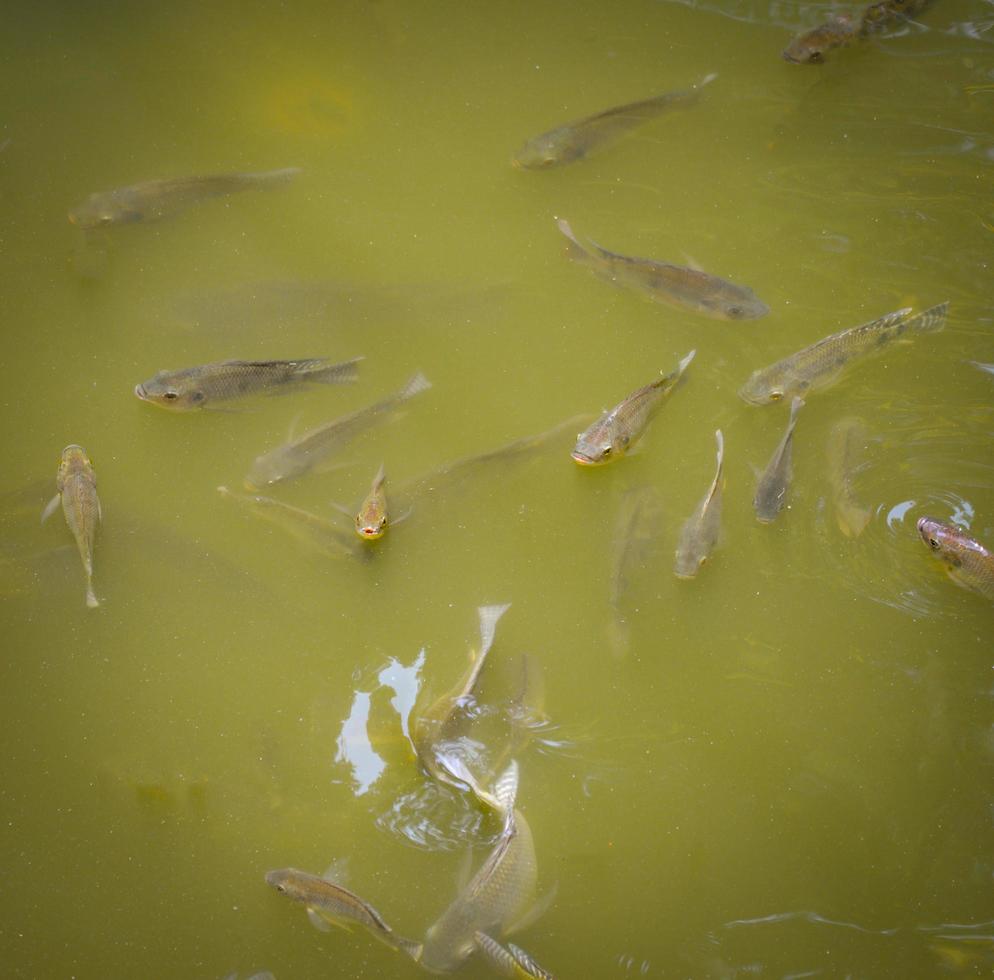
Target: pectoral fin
[(324, 923), (51, 507)]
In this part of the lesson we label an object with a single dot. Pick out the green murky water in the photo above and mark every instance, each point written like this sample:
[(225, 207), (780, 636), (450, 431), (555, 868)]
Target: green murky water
[(787, 773)]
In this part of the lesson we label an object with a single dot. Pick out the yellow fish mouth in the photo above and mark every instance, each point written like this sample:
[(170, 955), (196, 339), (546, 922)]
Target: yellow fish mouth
[(582, 460), (370, 533)]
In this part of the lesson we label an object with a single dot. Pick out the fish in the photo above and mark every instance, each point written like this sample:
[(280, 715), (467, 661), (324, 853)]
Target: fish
[(76, 484), (635, 534), (771, 490), (299, 455), (574, 140), (846, 446), (700, 533), (967, 561), (331, 903), (821, 364), (510, 960), (675, 285), (371, 521), (810, 48), (438, 733), (989, 368), (310, 529), (497, 898), (202, 386), (155, 199), (618, 429)]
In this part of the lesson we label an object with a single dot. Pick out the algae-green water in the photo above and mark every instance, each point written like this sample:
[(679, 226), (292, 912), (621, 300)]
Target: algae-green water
[(786, 771)]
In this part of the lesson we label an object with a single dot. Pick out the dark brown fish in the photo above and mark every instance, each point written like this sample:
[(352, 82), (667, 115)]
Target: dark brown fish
[(967, 561)]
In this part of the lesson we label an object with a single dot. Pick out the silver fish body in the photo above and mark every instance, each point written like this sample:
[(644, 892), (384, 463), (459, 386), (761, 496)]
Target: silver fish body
[(820, 364), (701, 531), (154, 199), (771, 490), (301, 454), (619, 428), (76, 484), (201, 386), (575, 140), (676, 285)]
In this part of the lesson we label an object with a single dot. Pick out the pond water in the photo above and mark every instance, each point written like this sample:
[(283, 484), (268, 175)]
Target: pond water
[(780, 768)]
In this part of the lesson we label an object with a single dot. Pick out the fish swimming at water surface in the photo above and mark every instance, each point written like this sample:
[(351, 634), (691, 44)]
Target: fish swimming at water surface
[(810, 48), (846, 449), (967, 561), (676, 285), (438, 733), (154, 199), (301, 454), (820, 364), (574, 140), (619, 428), (310, 529), (202, 386), (328, 902), (76, 483), (771, 490), (700, 533), (371, 520), (497, 898)]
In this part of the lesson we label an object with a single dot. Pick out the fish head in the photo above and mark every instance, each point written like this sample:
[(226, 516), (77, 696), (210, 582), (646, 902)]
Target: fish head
[(74, 460), (178, 395), (543, 152), (370, 525), (810, 48), (600, 444), (688, 563), (740, 308), (946, 541), (444, 952), (760, 389)]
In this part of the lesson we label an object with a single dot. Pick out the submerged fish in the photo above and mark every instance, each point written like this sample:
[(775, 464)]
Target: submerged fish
[(846, 448), (619, 428), (989, 368), (497, 898), (820, 364), (677, 285), (310, 529), (700, 533), (77, 489), (573, 141), (200, 386), (439, 733), (155, 199), (371, 521), (299, 455), (510, 960), (810, 48), (967, 561), (330, 903), (771, 490)]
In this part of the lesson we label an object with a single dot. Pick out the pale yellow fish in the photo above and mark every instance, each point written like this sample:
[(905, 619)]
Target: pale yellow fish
[(77, 489), (700, 533), (619, 428), (846, 450), (820, 364), (337, 906), (496, 899), (371, 520), (154, 199)]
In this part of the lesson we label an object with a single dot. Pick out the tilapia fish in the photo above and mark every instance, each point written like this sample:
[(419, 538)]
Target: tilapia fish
[(371, 520), (439, 732), (310, 529), (967, 561), (330, 903), (771, 490), (700, 533), (299, 455), (676, 285), (573, 141), (810, 48), (202, 386), (619, 428), (76, 483), (846, 452), (496, 899), (156, 199), (820, 364)]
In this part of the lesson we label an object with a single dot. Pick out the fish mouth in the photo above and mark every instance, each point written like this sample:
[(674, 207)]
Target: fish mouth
[(584, 460), (370, 533), (141, 393)]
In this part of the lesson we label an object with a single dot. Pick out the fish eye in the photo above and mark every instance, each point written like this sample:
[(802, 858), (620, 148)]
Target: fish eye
[(735, 312), (815, 57), (933, 544), (170, 395), (606, 451), (775, 396)]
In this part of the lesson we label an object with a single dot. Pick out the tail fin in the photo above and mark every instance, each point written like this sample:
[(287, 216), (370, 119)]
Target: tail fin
[(413, 387), (320, 371)]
